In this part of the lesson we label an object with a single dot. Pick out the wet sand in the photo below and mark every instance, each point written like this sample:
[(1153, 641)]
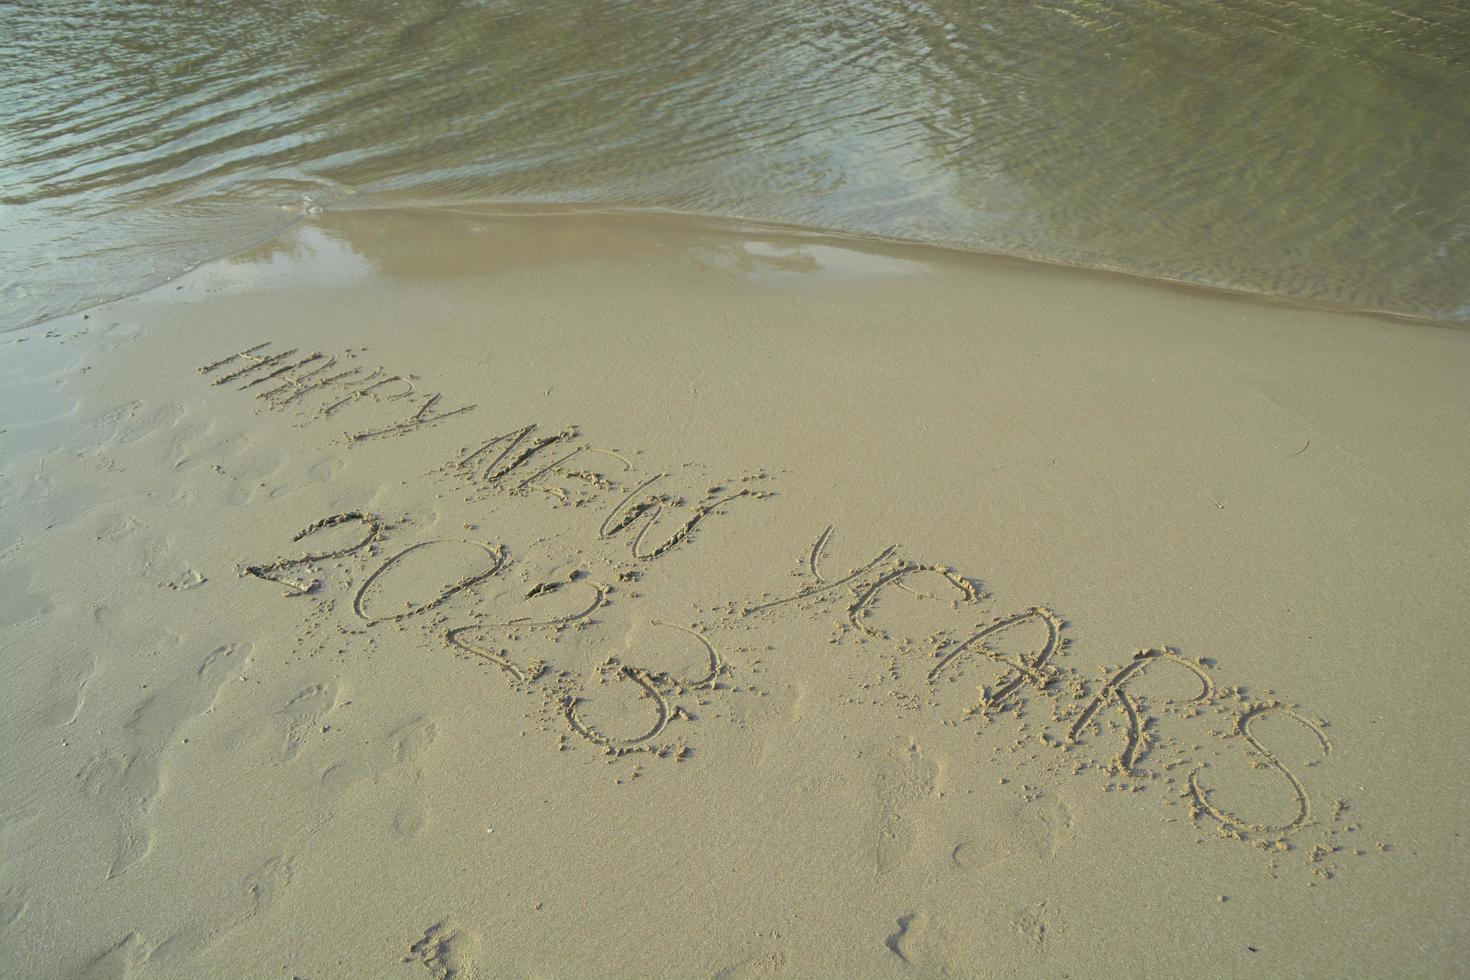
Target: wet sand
[(454, 594)]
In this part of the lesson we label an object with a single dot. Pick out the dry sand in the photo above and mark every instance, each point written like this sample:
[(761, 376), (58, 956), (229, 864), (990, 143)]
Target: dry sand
[(448, 594)]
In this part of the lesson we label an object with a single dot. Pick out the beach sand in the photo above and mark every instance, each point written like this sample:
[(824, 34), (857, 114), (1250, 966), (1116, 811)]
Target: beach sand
[(454, 594)]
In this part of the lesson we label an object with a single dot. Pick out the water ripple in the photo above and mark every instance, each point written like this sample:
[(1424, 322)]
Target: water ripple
[(1305, 150)]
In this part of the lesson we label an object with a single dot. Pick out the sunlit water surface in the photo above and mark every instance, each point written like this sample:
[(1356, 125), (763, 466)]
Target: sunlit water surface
[(1308, 150)]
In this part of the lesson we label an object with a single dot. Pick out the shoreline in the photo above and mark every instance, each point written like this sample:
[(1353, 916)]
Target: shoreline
[(753, 226)]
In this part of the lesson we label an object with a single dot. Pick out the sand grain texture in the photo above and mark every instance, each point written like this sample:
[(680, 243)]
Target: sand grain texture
[(466, 594)]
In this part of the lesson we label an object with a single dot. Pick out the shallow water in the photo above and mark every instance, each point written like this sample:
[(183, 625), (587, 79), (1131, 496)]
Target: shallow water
[(1307, 151)]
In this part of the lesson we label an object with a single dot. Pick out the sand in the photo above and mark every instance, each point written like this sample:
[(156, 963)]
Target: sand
[(436, 593)]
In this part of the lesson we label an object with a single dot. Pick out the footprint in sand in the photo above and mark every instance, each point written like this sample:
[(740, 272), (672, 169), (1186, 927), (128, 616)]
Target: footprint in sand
[(1030, 831), (294, 730), (183, 580), (303, 716), (234, 469), (74, 669), (321, 473), (770, 962), (447, 952), (118, 529), (1035, 925), (902, 942), (411, 817), (904, 779), (13, 906), (932, 944), (118, 960), (253, 895), (398, 749), (392, 763), (129, 423), (127, 779), (17, 602), (411, 739), (927, 947), (265, 884)]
